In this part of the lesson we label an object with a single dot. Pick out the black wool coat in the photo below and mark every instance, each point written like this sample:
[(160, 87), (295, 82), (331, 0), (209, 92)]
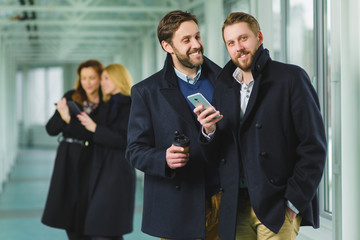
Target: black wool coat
[(68, 193), (112, 184), (174, 201), (280, 143)]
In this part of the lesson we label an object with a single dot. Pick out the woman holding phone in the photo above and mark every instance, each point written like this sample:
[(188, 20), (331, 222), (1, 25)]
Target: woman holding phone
[(67, 199), (112, 185)]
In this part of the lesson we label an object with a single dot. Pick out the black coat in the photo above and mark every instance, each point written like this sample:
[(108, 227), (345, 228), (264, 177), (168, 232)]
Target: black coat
[(280, 142), (68, 193), (174, 201), (112, 185)]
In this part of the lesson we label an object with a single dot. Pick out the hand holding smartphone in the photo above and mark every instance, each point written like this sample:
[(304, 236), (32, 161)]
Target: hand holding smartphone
[(74, 108), (197, 99)]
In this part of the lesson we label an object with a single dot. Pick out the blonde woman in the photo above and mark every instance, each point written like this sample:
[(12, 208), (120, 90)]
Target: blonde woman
[(112, 185)]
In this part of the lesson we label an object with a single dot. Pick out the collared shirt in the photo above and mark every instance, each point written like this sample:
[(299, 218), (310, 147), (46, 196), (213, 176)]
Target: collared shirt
[(245, 90), (186, 78)]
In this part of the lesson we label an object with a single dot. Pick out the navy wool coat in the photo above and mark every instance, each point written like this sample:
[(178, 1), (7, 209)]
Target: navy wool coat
[(69, 187), (112, 182), (280, 143), (174, 201)]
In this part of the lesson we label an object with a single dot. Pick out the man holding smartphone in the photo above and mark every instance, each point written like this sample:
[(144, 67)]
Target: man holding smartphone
[(270, 145), (181, 191)]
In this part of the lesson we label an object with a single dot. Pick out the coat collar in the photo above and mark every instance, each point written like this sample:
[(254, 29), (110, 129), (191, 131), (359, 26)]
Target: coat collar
[(208, 67), (261, 58), (260, 61)]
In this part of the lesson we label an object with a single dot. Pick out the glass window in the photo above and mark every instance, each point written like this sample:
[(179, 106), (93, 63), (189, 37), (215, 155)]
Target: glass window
[(234, 6), (328, 99), (54, 89), (36, 96), (276, 53), (300, 35), (44, 89)]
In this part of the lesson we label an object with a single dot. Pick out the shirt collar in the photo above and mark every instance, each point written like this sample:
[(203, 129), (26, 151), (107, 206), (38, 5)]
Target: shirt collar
[(186, 78), (238, 76)]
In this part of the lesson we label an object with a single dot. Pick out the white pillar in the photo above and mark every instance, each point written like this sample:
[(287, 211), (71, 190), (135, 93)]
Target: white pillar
[(350, 113), (214, 19)]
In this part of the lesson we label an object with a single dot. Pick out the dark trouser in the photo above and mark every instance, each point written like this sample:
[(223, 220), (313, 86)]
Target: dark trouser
[(76, 236), (107, 238)]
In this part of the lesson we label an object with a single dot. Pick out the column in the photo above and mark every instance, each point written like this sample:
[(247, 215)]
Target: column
[(350, 117)]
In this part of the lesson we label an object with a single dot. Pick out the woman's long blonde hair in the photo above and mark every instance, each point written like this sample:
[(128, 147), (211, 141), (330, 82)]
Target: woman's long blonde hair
[(121, 78)]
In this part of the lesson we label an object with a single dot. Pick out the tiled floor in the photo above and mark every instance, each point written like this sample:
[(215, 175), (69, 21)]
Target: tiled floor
[(23, 198)]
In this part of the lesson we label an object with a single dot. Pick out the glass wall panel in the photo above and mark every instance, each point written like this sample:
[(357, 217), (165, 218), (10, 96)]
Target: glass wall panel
[(276, 53), (55, 88), (36, 102), (328, 180), (44, 89), (300, 38)]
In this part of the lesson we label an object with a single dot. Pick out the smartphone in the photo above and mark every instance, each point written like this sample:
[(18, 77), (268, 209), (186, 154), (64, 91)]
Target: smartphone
[(74, 108), (197, 99)]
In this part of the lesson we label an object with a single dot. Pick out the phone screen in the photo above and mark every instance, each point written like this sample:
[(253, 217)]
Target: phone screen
[(197, 99), (74, 108)]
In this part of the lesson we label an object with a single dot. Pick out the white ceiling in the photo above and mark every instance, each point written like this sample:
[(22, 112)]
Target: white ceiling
[(44, 31)]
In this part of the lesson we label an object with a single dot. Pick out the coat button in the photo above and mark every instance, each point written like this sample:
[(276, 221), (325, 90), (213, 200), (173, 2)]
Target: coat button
[(221, 189), (222, 160), (177, 187), (258, 125), (263, 154), (272, 180)]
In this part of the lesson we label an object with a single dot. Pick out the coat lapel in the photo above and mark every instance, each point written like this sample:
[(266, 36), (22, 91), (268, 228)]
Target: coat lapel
[(177, 101), (260, 61), (173, 95)]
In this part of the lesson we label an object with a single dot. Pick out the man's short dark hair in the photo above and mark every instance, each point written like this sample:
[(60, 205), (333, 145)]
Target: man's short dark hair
[(237, 17), (171, 22)]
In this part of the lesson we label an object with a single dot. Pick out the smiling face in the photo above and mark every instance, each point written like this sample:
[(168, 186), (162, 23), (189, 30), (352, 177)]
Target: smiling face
[(242, 43), (186, 47), (90, 80)]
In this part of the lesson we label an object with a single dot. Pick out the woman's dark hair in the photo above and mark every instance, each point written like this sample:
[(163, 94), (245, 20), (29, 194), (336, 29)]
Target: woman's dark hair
[(79, 95)]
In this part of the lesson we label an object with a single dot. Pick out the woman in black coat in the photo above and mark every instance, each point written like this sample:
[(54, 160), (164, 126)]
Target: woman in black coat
[(112, 185), (68, 194)]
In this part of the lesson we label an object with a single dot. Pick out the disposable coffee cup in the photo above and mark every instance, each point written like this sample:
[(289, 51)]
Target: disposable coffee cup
[(181, 140)]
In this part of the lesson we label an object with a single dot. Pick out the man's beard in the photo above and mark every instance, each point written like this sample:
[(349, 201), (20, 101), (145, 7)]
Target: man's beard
[(186, 61), (244, 66)]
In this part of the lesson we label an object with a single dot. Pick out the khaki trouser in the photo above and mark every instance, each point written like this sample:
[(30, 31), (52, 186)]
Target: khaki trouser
[(212, 218), (250, 228)]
